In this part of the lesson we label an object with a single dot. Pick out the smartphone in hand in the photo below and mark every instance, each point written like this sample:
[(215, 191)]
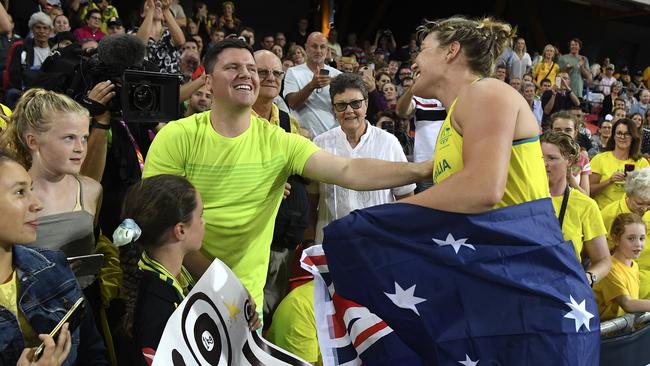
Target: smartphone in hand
[(324, 72), (73, 317)]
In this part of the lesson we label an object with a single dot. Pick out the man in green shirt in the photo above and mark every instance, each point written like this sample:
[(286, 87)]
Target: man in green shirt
[(239, 163)]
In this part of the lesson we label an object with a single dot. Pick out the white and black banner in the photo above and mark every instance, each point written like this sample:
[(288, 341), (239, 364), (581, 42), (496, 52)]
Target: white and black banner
[(210, 327)]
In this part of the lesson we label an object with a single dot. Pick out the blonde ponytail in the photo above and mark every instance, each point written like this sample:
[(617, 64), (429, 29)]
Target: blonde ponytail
[(482, 40)]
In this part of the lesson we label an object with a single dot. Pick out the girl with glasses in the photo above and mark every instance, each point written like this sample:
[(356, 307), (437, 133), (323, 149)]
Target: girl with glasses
[(621, 155)]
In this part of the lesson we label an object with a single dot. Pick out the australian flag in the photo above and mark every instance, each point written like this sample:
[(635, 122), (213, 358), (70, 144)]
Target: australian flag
[(498, 288)]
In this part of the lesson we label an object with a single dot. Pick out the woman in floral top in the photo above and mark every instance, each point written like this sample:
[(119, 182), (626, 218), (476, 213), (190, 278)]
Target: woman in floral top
[(162, 35)]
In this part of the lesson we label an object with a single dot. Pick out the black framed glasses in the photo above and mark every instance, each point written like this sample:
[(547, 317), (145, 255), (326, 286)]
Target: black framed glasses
[(263, 74), (342, 106)]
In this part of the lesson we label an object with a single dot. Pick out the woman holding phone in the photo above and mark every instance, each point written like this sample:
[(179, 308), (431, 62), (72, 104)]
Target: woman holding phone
[(36, 285), (621, 155)]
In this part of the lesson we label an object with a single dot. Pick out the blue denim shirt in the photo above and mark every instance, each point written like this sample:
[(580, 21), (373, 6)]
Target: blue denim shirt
[(47, 288)]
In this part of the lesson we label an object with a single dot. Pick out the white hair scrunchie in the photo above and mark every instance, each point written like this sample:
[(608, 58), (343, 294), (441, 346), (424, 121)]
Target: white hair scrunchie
[(126, 233)]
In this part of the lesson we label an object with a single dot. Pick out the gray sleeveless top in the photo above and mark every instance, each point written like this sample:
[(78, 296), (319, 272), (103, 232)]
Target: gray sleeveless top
[(70, 232)]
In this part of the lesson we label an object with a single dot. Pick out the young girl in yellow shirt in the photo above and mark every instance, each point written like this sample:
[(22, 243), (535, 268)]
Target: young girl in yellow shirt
[(618, 293)]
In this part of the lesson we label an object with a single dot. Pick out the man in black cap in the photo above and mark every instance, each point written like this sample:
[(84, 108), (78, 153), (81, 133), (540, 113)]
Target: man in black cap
[(114, 26)]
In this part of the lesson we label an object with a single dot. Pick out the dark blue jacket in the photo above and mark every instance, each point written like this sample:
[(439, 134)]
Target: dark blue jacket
[(47, 288)]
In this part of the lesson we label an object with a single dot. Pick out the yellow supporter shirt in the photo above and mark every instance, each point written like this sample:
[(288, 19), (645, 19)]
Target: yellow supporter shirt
[(606, 164), (7, 112), (544, 71), (582, 220), (241, 181), (275, 119), (609, 213), (9, 301), (294, 325), (527, 180), (621, 280)]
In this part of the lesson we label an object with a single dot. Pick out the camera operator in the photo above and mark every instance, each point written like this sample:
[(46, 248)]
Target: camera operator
[(116, 149)]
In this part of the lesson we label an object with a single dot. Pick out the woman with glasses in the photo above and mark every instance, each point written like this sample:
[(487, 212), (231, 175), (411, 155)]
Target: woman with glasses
[(636, 200), (578, 214), (355, 137), (622, 154), (599, 140)]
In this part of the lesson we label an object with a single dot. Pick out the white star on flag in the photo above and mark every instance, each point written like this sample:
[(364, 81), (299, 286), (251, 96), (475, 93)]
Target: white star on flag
[(578, 313), (405, 299), (456, 244), (468, 361)]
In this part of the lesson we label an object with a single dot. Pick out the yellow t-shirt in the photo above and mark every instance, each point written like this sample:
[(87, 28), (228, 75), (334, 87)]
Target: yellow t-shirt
[(527, 180), (7, 112), (9, 301), (621, 280), (241, 181), (542, 69), (609, 213), (582, 220), (275, 119), (294, 324), (607, 164)]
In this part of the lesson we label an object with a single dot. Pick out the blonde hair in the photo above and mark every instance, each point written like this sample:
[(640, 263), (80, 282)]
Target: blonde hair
[(33, 113), (550, 47), (482, 40)]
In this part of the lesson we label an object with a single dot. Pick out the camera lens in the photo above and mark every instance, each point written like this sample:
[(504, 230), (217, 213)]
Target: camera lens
[(144, 97)]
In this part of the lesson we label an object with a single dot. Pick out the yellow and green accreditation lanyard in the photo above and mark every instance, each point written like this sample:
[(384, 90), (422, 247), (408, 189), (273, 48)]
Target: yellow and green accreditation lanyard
[(182, 285)]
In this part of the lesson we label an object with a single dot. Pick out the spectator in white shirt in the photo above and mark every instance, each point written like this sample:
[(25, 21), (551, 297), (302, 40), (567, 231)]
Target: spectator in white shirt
[(520, 62), (355, 137), (306, 87)]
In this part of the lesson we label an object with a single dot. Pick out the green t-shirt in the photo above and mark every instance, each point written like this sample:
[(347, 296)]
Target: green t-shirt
[(576, 77), (241, 181)]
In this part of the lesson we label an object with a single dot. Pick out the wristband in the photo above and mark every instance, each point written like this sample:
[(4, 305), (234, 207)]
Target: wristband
[(100, 126)]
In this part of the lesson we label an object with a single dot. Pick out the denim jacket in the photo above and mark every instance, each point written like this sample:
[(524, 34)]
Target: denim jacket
[(47, 288)]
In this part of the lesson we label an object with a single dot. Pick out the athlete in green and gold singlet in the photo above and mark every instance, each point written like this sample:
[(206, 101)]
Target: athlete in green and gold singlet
[(488, 153), (527, 180)]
